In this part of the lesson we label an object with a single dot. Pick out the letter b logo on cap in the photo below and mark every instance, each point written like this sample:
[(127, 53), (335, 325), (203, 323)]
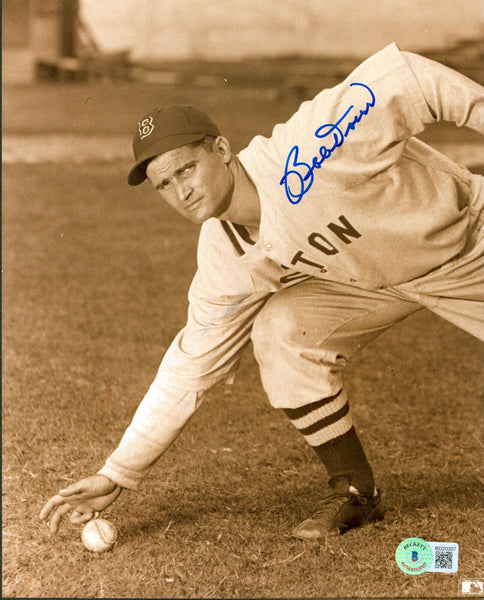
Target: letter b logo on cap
[(145, 127)]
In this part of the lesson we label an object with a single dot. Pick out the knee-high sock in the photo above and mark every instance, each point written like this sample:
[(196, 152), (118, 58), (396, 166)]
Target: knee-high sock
[(327, 427)]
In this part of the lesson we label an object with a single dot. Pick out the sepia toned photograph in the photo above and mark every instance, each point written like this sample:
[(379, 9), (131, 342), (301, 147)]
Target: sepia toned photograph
[(242, 299)]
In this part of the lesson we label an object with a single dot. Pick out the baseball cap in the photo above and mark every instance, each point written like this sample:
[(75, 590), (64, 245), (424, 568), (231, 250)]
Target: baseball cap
[(165, 128)]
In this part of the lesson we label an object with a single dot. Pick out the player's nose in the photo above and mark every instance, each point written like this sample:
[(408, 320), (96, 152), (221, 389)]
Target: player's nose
[(182, 191)]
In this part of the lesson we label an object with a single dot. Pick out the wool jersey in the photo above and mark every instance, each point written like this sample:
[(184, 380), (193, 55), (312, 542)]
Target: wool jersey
[(348, 194)]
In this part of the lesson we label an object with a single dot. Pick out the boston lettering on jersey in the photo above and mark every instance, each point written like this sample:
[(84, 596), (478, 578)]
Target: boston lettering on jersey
[(317, 240), (293, 276), (299, 175), (343, 231)]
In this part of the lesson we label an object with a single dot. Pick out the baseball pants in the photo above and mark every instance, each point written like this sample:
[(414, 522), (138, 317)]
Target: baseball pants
[(305, 334)]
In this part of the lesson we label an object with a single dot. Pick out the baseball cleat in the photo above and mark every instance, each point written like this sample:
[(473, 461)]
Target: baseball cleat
[(341, 511)]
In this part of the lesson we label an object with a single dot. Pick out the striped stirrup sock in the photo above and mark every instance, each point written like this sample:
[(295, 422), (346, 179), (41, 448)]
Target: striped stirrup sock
[(328, 428)]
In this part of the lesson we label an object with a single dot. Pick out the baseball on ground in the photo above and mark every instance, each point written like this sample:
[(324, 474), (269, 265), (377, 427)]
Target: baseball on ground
[(99, 535)]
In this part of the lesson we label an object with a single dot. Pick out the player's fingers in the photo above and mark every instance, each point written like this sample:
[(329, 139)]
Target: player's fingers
[(57, 516), (45, 512), (79, 517), (50, 506)]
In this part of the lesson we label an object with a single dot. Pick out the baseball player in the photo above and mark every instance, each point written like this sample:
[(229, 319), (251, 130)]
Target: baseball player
[(313, 242)]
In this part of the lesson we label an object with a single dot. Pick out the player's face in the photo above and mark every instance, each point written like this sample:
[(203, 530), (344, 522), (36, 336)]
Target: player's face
[(196, 181)]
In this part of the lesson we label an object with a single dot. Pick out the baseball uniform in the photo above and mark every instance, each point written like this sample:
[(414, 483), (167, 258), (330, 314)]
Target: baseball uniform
[(361, 225)]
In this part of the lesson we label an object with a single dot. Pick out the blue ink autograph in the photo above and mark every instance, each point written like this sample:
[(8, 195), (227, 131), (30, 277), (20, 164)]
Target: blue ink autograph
[(299, 176)]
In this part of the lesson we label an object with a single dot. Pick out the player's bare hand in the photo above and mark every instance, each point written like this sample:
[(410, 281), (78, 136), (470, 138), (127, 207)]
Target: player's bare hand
[(84, 499)]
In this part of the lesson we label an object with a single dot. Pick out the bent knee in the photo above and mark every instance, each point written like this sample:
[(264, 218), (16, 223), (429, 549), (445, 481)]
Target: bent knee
[(288, 320), (278, 323), (296, 365)]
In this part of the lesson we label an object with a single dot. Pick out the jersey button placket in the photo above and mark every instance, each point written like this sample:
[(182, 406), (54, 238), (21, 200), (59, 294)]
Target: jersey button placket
[(268, 247)]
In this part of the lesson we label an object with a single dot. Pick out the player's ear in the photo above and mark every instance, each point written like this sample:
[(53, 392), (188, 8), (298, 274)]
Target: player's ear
[(221, 145)]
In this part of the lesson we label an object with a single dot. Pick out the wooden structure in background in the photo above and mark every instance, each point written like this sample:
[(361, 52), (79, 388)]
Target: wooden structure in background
[(46, 39)]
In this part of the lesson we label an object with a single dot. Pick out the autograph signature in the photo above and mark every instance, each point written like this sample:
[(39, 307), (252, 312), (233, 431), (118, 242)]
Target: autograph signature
[(299, 176)]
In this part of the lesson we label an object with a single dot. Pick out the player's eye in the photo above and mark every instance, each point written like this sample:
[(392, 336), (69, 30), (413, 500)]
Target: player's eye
[(188, 170)]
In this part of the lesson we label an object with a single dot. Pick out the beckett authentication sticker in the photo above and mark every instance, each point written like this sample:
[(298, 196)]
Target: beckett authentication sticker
[(414, 556)]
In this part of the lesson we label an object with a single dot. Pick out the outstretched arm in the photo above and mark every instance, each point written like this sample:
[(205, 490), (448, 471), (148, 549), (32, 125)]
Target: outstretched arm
[(205, 352)]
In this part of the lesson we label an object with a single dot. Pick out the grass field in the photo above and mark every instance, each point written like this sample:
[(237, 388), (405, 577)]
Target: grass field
[(95, 277)]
